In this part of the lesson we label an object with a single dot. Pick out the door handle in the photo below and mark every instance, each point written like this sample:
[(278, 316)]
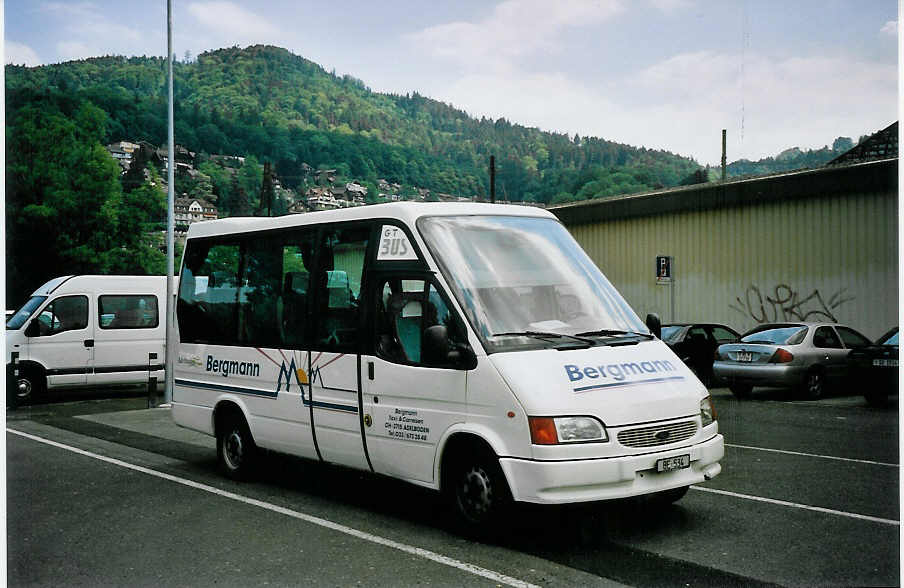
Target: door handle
[(89, 342), (370, 370)]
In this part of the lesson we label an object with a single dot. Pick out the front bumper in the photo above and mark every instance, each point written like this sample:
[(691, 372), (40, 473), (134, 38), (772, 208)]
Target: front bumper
[(760, 374), (561, 482)]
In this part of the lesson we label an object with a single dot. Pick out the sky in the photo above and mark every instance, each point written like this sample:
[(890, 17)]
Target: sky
[(662, 74)]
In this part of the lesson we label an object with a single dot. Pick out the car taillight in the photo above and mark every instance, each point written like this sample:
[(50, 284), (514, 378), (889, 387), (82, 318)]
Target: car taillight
[(781, 356)]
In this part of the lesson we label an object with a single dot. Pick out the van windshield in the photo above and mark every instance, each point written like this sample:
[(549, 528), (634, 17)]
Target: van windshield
[(519, 276), (17, 320)]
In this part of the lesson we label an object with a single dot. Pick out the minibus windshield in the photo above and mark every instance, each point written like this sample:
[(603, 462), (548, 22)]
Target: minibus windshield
[(17, 320), (516, 276)]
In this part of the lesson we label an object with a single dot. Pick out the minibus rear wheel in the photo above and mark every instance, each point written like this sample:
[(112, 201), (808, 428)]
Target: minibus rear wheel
[(236, 451)]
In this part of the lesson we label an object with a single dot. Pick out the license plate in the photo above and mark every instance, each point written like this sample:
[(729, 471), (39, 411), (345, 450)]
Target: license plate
[(668, 464), (745, 356), (885, 362)]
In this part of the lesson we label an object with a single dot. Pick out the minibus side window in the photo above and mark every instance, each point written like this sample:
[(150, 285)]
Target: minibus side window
[(66, 313), (295, 279), (341, 269), (208, 293), (406, 309)]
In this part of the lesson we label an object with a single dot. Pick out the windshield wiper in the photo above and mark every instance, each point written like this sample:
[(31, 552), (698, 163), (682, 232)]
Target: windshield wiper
[(613, 332), (544, 335)]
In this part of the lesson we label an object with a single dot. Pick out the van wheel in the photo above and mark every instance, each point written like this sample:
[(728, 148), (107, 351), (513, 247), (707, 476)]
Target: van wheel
[(30, 385), (236, 451), (741, 390), (478, 490)]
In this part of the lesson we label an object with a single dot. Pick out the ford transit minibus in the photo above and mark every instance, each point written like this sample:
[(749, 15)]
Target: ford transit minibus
[(470, 348)]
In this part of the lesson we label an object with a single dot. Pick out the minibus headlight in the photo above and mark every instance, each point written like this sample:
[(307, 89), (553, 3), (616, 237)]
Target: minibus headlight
[(707, 411), (556, 430)]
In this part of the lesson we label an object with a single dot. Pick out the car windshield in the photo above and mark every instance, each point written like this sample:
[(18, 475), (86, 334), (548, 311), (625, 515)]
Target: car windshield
[(18, 319), (670, 333), (892, 340), (783, 335), (519, 275)]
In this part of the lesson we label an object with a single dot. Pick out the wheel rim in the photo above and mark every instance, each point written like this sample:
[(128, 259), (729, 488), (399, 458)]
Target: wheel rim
[(24, 388), (814, 385), (475, 494), (233, 450)]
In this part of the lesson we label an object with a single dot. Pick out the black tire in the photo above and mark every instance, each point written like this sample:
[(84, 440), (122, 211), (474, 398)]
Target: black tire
[(741, 390), (814, 386), (30, 385), (236, 452), (478, 491), (876, 399)]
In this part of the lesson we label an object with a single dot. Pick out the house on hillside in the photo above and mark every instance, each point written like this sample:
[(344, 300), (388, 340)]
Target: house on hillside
[(122, 152), (192, 210)]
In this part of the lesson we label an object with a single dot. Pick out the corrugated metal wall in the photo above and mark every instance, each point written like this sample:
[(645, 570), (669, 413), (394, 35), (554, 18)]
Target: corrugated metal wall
[(832, 258)]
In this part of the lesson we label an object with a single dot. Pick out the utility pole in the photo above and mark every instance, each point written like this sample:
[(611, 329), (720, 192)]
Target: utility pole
[(170, 223), (724, 159), (492, 178)]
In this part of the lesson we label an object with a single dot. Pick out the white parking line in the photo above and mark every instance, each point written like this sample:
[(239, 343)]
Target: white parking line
[(865, 461), (851, 515), (424, 553)]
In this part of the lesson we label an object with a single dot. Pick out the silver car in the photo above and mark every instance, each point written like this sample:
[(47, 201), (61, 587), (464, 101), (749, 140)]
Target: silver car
[(800, 356)]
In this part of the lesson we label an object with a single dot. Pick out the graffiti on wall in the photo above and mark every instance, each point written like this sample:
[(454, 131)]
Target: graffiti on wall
[(783, 303)]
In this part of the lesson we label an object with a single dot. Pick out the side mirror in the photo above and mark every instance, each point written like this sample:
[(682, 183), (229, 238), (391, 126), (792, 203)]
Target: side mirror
[(33, 329), (654, 324), (437, 351)]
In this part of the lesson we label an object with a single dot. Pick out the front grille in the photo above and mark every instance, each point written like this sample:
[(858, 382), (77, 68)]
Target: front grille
[(658, 434)]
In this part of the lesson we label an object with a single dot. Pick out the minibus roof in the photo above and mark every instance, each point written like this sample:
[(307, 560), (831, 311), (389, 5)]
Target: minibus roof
[(407, 212)]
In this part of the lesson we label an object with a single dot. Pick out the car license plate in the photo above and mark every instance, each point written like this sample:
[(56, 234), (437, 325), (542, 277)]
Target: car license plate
[(745, 356), (885, 362), (668, 464)]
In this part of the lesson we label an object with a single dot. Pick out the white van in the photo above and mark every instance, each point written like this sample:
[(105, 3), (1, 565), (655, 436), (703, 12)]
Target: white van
[(78, 331), (470, 348)]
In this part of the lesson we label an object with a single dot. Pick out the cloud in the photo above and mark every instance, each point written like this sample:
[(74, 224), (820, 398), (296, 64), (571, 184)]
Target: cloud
[(232, 21), (890, 28), (20, 54), (672, 6), (87, 21), (765, 103), (515, 29), (75, 50)]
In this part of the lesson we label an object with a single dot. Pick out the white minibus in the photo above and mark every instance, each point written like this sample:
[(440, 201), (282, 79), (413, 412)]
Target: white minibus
[(82, 331), (470, 348)]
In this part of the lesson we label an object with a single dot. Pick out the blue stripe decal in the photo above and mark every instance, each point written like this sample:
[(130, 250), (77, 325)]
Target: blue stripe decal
[(264, 393), (236, 389), (623, 384)]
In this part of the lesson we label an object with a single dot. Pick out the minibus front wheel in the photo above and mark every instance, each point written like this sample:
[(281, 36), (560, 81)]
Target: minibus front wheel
[(477, 489)]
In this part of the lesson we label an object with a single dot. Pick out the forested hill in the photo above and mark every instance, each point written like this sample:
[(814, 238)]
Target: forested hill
[(279, 107)]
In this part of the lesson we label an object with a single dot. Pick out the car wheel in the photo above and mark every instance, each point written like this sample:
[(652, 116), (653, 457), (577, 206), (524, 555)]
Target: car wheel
[(876, 399), (479, 492), (236, 451), (814, 385), (741, 390)]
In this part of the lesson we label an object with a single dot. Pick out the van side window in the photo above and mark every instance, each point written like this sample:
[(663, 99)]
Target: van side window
[(128, 311), (66, 313), (208, 294), (406, 310), (341, 269)]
